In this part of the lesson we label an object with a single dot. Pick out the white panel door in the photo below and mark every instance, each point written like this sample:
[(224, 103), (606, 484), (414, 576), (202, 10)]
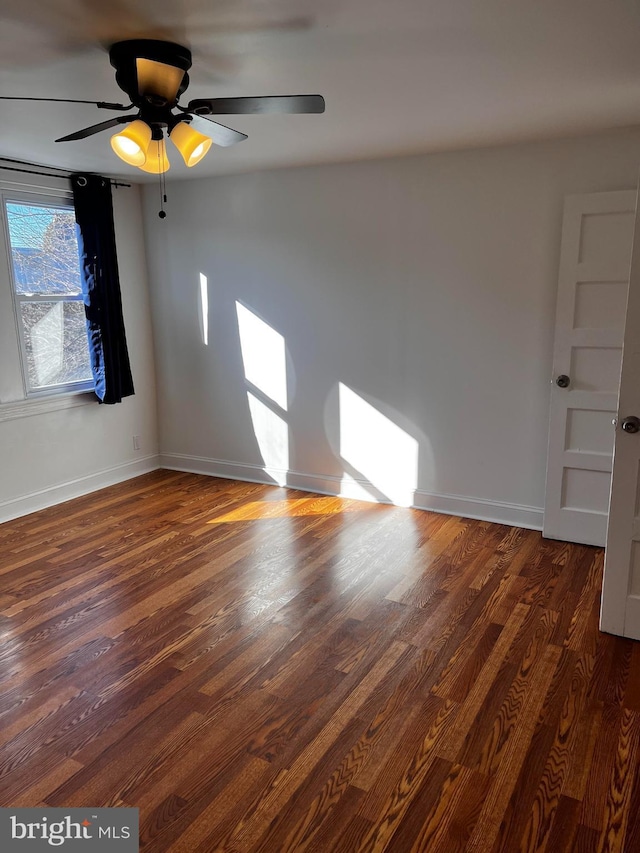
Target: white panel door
[(597, 236), (620, 613)]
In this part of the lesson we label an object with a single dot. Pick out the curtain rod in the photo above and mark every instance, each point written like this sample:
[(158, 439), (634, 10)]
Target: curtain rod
[(39, 170)]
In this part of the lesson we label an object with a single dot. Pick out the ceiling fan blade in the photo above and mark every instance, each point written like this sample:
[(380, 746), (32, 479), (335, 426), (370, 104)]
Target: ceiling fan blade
[(221, 135), (103, 105), (257, 106), (96, 128)]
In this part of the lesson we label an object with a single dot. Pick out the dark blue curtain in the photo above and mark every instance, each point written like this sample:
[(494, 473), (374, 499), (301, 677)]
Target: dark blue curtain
[(101, 287)]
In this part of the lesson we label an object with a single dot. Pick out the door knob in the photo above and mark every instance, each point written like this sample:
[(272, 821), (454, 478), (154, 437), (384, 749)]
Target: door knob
[(631, 424), (563, 381)]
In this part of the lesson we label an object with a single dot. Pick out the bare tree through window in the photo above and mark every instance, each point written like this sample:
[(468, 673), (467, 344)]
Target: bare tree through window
[(46, 272)]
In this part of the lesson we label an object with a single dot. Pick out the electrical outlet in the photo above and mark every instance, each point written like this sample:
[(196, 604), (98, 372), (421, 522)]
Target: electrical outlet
[(136, 442)]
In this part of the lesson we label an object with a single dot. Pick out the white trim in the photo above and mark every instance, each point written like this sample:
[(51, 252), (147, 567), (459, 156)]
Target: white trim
[(499, 512), (631, 619), (61, 492), (27, 189), (54, 201), (37, 406)]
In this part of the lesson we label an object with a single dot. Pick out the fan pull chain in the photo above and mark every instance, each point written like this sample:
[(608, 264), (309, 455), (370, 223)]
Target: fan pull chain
[(163, 195)]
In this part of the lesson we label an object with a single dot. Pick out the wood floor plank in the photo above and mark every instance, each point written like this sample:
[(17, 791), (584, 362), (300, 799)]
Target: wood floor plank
[(259, 669), (517, 830), (436, 808), (602, 771), (518, 699), (617, 813), (269, 807), (387, 815), (515, 750), (551, 784), (564, 827), (472, 705)]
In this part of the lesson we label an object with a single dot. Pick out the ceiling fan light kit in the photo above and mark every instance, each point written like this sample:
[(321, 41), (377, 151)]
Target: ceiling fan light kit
[(153, 75), (156, 162), (158, 80), (132, 143), (192, 145), (151, 71)]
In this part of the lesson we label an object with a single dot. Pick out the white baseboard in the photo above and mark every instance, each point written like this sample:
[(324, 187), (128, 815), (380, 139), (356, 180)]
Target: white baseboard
[(61, 492), (515, 515)]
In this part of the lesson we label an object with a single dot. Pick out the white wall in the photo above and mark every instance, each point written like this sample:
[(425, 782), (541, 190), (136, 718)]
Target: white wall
[(52, 456), (426, 285)]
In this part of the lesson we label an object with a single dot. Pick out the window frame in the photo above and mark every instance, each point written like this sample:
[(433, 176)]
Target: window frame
[(37, 198)]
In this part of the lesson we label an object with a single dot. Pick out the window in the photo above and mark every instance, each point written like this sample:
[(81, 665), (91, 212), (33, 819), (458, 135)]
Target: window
[(47, 292)]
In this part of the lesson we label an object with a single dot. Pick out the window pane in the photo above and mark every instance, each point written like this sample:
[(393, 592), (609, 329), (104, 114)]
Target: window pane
[(55, 338), (44, 249)]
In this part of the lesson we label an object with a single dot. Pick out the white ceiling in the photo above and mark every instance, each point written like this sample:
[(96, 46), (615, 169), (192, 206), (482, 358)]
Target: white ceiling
[(398, 76)]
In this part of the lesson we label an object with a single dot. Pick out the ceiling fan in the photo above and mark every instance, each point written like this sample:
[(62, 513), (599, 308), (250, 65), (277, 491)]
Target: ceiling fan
[(153, 75)]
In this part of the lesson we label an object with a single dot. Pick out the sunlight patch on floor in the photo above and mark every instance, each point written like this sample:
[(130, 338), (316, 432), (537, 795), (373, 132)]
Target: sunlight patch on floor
[(317, 505)]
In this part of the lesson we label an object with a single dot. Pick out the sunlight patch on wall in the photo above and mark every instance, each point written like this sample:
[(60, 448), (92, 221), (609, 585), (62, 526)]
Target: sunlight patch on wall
[(204, 309), (272, 435), (265, 369), (263, 356), (378, 448)]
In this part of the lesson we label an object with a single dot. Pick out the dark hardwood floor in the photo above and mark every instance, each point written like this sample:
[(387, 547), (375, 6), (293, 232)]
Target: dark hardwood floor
[(265, 670)]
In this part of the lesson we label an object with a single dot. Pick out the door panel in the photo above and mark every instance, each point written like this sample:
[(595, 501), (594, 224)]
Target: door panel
[(600, 304), (596, 368), (586, 491), (597, 235), (620, 612), (588, 431), (605, 234)]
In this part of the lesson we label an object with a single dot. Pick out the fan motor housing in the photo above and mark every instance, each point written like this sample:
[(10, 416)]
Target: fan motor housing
[(123, 55)]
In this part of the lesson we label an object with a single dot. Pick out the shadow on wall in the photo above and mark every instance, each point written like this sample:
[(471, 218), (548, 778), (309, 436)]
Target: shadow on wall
[(379, 458)]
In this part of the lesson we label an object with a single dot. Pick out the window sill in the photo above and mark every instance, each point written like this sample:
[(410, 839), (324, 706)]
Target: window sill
[(54, 403)]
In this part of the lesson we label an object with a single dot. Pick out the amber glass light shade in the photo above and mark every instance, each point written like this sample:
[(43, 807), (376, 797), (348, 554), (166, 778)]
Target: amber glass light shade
[(131, 144), (158, 78), (191, 144), (157, 161)]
